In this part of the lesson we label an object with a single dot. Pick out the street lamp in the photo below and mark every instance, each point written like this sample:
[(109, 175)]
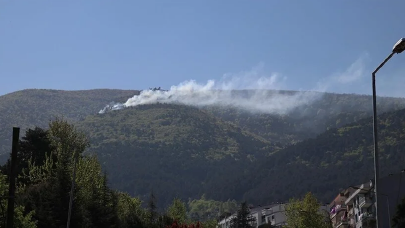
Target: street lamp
[(398, 48)]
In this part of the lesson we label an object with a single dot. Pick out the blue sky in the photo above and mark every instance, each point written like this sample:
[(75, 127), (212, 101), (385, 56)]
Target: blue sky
[(128, 44)]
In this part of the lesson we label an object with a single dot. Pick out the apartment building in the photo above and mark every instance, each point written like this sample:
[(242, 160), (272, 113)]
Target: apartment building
[(360, 206), (354, 207), (338, 211), (226, 222), (273, 214)]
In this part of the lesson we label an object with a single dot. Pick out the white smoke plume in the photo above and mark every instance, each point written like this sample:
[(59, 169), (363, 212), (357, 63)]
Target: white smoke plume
[(252, 91)]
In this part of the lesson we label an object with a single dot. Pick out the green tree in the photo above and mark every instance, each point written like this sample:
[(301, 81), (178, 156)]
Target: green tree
[(130, 212), (399, 218), (69, 145), (46, 163), (205, 209), (164, 221), (49, 183), (94, 196), (34, 147), (67, 140), (177, 211), (243, 218), (306, 213), (210, 223), (22, 217)]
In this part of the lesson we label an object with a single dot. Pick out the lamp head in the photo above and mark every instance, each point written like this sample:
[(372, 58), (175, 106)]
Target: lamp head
[(399, 46)]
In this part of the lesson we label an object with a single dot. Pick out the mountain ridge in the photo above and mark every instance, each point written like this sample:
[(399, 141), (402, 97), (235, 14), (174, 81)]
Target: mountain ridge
[(328, 161), (187, 151), (36, 107)]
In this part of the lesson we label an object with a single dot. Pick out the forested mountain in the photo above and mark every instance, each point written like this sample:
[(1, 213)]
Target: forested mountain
[(169, 148), (222, 152), (174, 150), (36, 107), (333, 160), (309, 119)]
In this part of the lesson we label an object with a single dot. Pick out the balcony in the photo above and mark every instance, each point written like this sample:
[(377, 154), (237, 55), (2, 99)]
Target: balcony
[(366, 216), (338, 208), (342, 223), (364, 202), (366, 220), (267, 211)]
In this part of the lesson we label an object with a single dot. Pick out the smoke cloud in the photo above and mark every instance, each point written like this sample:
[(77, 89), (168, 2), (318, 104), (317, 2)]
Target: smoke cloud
[(349, 80), (252, 91)]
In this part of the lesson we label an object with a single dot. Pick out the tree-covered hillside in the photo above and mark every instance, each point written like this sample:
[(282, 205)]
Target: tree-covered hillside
[(224, 152), (173, 150), (333, 160), (189, 151), (36, 107), (308, 120)]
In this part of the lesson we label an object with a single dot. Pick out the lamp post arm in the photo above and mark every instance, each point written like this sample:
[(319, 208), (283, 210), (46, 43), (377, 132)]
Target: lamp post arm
[(383, 63)]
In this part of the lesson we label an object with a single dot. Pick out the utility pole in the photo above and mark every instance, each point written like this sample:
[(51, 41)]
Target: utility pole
[(11, 190)]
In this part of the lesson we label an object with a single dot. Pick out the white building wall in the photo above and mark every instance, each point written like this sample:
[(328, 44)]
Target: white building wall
[(226, 222), (276, 215), (273, 214)]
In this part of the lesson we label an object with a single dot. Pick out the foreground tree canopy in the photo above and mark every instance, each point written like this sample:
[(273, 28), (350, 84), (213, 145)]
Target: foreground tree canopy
[(45, 164), (399, 217), (305, 212)]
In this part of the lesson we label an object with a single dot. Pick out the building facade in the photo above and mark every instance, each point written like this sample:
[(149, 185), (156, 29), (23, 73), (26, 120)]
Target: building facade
[(355, 206), (338, 211), (273, 214)]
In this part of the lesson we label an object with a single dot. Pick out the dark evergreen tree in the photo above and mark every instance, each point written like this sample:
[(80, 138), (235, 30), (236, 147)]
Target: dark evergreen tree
[(152, 208), (62, 187), (243, 218), (164, 221), (34, 147), (103, 206), (399, 218), (41, 198)]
